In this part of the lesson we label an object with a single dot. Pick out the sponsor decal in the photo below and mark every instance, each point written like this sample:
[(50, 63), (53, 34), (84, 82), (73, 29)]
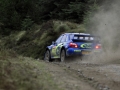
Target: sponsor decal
[(86, 45), (77, 50), (58, 48)]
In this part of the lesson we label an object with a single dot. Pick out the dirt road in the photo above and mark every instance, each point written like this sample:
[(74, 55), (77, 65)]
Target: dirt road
[(85, 75)]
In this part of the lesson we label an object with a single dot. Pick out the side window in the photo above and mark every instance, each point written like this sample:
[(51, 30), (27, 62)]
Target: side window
[(59, 39), (67, 38), (71, 36), (64, 38)]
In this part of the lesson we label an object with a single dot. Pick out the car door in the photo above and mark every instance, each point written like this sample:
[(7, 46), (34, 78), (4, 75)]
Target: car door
[(54, 49), (55, 53), (60, 45)]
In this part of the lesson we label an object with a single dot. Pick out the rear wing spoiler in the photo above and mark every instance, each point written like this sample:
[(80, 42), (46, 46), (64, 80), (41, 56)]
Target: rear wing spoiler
[(86, 38)]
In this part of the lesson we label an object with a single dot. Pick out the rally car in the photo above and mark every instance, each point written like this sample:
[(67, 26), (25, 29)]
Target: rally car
[(72, 44)]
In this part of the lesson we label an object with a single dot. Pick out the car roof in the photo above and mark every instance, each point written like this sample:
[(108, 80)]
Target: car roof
[(79, 33)]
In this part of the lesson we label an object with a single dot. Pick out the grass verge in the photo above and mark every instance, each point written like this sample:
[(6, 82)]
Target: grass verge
[(21, 73)]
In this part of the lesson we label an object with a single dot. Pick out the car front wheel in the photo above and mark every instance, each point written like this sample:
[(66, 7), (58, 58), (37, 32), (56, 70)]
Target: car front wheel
[(47, 56)]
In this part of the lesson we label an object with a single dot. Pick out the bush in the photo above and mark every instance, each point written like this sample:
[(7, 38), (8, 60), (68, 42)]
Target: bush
[(62, 28), (27, 23)]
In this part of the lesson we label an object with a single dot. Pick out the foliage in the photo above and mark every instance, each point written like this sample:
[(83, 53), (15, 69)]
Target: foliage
[(27, 23), (32, 43), (86, 20), (75, 10), (20, 14)]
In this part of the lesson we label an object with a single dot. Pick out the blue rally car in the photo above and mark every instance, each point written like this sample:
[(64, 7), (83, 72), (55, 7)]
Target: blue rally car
[(72, 44)]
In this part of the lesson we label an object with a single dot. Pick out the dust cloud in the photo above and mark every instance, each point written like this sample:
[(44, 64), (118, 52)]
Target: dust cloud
[(106, 24)]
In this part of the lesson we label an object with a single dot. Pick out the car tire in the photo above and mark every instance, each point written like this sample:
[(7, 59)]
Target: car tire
[(62, 55), (47, 56)]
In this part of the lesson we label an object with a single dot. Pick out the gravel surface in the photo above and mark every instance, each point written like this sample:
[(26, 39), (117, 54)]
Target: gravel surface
[(75, 74)]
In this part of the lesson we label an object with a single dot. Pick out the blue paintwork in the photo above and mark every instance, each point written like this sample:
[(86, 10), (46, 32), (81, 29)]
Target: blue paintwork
[(56, 48)]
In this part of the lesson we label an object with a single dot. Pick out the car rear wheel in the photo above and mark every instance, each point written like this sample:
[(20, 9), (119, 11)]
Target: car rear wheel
[(62, 55), (47, 56)]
